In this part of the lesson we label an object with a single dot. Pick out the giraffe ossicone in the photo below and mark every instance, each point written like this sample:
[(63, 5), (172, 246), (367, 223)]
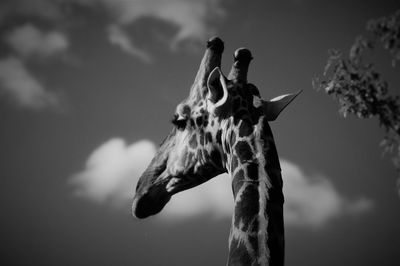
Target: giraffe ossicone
[(222, 126)]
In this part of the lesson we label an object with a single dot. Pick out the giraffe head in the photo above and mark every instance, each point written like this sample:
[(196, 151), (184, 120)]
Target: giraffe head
[(197, 147)]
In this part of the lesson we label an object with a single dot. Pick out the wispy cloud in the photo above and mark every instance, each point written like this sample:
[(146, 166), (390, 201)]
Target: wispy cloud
[(27, 40), (113, 169), (119, 37), (17, 83), (193, 19), (190, 16)]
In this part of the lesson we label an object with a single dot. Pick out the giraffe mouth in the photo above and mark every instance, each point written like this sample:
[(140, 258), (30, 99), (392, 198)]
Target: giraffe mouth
[(150, 203), (151, 196), (157, 196)]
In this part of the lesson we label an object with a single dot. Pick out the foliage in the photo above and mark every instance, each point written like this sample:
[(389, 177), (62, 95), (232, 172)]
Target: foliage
[(360, 88)]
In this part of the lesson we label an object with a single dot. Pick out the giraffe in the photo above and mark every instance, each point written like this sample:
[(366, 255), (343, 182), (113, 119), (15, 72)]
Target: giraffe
[(222, 126)]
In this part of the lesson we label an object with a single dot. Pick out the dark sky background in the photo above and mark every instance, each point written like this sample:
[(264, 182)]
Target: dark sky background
[(76, 74)]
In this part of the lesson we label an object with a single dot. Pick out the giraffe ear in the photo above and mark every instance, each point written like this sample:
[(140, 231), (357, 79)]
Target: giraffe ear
[(275, 106), (217, 90)]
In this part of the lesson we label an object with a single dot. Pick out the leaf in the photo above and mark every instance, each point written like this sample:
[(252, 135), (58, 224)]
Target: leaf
[(359, 87)]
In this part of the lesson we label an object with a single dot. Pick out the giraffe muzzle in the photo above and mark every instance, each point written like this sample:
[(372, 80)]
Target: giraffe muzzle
[(151, 193), (150, 203)]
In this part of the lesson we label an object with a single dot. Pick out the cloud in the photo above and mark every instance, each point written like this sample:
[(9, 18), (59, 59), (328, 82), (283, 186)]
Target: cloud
[(23, 88), (17, 82), (119, 37), (113, 169), (190, 16), (28, 40), (314, 200), (193, 19)]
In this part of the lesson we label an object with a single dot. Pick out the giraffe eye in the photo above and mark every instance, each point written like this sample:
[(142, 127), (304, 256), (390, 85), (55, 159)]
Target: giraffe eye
[(179, 122)]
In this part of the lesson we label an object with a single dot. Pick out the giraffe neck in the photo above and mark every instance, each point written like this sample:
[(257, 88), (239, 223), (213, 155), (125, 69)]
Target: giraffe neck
[(257, 231)]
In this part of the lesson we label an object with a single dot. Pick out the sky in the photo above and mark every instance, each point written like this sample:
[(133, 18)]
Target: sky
[(87, 91)]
